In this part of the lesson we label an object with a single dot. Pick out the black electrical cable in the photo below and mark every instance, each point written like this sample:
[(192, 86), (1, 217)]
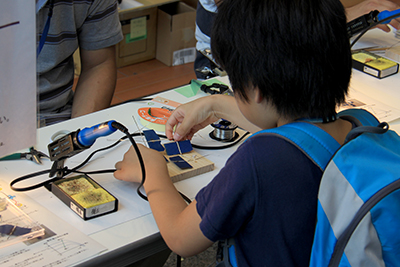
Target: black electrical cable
[(66, 170), (94, 152), (370, 26), (133, 100), (104, 148), (27, 177), (123, 129)]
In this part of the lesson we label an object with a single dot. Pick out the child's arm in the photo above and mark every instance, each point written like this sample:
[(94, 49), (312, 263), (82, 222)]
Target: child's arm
[(178, 223), (193, 116)]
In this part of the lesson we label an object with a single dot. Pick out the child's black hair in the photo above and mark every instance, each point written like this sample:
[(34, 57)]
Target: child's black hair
[(296, 52)]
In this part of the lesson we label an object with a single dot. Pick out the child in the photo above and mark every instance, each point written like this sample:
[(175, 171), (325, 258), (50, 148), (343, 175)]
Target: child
[(286, 60)]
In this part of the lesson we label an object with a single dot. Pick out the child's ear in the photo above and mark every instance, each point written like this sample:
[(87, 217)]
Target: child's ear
[(258, 98)]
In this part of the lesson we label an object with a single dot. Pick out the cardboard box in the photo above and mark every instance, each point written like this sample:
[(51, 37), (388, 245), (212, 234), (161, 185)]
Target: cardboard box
[(139, 26), (139, 30), (192, 3), (175, 34)]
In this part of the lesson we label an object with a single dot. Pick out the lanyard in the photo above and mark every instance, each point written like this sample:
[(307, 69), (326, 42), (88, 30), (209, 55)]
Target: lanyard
[(45, 30)]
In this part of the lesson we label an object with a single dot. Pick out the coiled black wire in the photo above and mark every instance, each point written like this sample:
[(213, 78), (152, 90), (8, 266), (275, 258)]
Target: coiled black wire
[(371, 26), (65, 171)]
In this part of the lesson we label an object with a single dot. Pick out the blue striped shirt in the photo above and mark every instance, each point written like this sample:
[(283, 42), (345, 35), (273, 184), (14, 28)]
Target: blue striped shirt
[(88, 24)]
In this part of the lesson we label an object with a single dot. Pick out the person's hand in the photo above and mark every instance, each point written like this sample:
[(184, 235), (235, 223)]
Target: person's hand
[(129, 168), (189, 118), (369, 5)]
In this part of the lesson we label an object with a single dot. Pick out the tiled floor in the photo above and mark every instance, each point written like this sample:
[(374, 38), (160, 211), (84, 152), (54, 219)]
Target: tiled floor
[(150, 77)]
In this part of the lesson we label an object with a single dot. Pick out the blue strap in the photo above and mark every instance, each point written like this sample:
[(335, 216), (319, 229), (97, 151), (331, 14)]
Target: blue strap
[(43, 37), (45, 31), (304, 134), (365, 118), (232, 256), (317, 144)]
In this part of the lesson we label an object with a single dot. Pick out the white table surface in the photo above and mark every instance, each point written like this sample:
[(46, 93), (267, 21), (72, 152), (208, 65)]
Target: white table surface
[(118, 234), (140, 237)]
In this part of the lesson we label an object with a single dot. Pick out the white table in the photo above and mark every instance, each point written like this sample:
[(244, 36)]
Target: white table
[(386, 90), (126, 240), (129, 240)]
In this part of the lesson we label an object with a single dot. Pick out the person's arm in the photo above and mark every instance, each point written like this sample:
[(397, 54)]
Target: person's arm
[(367, 6), (193, 116), (96, 83), (178, 222)]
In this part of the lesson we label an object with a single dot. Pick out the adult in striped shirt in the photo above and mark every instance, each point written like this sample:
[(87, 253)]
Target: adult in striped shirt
[(94, 27)]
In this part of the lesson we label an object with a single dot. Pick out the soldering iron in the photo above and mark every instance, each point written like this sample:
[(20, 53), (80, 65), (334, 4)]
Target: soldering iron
[(372, 18), (75, 142)]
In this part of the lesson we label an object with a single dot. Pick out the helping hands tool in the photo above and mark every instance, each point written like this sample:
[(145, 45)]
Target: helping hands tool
[(33, 155)]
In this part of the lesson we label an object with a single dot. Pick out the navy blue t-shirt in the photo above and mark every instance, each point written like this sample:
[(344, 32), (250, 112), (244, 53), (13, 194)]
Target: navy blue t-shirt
[(266, 198)]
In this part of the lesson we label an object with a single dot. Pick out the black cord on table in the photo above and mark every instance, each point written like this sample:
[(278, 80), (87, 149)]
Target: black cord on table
[(140, 158), (371, 26), (123, 129)]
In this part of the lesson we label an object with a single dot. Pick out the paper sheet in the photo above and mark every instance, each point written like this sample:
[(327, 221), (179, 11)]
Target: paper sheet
[(383, 112), (131, 206), (63, 245), (17, 76)]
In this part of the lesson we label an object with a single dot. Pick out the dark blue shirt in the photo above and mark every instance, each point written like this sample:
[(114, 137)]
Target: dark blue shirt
[(266, 198)]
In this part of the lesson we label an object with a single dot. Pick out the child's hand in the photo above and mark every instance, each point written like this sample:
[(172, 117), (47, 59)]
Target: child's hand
[(129, 168), (189, 118)]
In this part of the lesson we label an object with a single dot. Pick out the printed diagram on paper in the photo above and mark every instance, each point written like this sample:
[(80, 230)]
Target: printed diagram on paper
[(383, 112), (62, 244)]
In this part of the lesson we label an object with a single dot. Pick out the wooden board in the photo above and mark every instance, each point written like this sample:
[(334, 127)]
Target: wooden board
[(199, 163)]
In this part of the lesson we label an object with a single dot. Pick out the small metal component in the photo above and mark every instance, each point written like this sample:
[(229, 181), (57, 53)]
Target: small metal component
[(12, 231), (224, 131), (33, 155), (215, 88), (216, 69), (207, 52), (206, 71)]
